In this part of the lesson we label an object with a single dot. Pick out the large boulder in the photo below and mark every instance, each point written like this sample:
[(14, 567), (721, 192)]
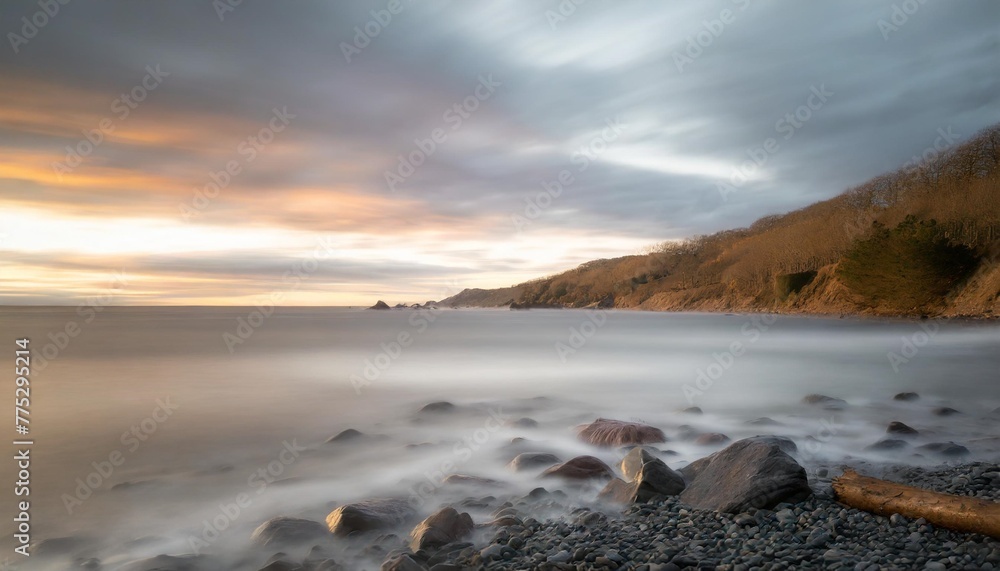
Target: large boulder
[(828, 403), (896, 427), (532, 461), (369, 515), (754, 472), (402, 562), (289, 530), (946, 449), (441, 528), (906, 397), (380, 305), (439, 407), (614, 433), (580, 468), (648, 477)]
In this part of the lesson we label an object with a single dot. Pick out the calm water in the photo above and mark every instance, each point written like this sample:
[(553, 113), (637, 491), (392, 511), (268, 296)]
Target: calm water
[(193, 424)]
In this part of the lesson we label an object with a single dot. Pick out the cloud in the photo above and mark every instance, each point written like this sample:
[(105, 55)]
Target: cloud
[(560, 81)]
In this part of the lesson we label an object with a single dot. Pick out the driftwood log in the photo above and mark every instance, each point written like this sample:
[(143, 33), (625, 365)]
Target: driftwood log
[(959, 513)]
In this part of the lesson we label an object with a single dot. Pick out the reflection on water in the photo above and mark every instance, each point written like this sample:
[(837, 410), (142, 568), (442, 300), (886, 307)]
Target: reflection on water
[(148, 426)]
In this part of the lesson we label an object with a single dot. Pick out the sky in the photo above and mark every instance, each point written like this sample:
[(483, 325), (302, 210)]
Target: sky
[(319, 153)]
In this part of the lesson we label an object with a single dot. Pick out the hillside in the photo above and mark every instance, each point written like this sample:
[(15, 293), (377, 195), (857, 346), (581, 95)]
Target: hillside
[(923, 240)]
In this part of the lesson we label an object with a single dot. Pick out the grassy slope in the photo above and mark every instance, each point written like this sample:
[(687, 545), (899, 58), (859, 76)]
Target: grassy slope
[(831, 257)]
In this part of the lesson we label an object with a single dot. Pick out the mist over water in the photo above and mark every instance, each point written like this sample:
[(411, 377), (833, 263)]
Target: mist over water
[(254, 420)]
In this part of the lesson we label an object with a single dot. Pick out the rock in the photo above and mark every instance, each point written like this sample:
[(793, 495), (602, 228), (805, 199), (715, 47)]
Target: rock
[(647, 477), (710, 438), (402, 562), (532, 460), (828, 403), (786, 445), (438, 408), (949, 449), (441, 528), (523, 423), (614, 433), (380, 305), (349, 435), (692, 410), (906, 397), (289, 530), (753, 472), (945, 411), (463, 480), (168, 563), (281, 565), (580, 468), (896, 427), (763, 421), (369, 515), (887, 444)]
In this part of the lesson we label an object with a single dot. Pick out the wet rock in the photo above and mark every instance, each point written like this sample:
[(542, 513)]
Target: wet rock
[(945, 411), (289, 530), (763, 421), (887, 444), (693, 410), (532, 461), (523, 423), (369, 515), (464, 480), (402, 562), (614, 433), (438, 408), (648, 477), (580, 468), (711, 438), (380, 305), (896, 427), (827, 403), (754, 472), (169, 563), (349, 435), (441, 528), (282, 566), (946, 449), (906, 397)]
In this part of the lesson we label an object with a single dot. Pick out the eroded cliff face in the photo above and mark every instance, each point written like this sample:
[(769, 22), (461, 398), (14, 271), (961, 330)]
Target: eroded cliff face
[(825, 294)]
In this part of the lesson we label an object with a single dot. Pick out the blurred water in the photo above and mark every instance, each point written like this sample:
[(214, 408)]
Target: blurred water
[(288, 386)]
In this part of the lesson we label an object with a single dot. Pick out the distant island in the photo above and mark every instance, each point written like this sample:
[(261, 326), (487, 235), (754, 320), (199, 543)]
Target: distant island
[(923, 240)]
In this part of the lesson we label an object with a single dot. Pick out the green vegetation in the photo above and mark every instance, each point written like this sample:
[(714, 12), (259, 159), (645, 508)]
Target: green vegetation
[(910, 267), (788, 284)]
